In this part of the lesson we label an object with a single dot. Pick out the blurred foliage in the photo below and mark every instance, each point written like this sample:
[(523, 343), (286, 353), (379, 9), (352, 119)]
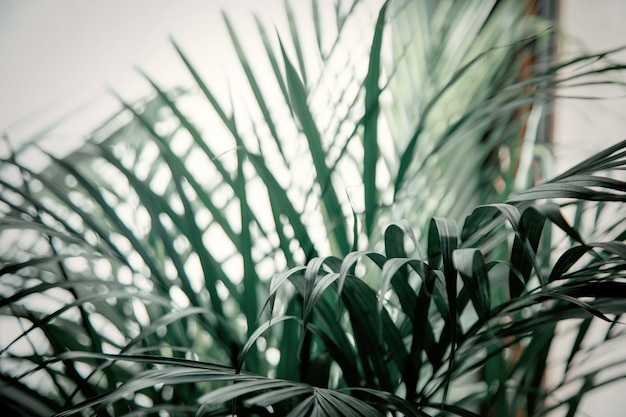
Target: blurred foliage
[(215, 255)]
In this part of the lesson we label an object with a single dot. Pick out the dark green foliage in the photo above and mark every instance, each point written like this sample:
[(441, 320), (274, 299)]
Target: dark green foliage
[(170, 268)]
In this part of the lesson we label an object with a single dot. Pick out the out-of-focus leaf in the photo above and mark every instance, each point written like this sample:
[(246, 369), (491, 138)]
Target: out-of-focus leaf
[(336, 226), (370, 124)]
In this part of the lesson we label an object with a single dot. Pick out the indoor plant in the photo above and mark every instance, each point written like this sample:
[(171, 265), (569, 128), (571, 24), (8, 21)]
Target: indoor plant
[(155, 252)]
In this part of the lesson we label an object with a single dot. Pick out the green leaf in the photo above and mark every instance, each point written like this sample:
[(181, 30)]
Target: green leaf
[(360, 300), (370, 124), (254, 85), (442, 242), (277, 395), (252, 339), (295, 37), (349, 406), (242, 388), (116, 221), (282, 205), (335, 221), (251, 280), (471, 266), (529, 233)]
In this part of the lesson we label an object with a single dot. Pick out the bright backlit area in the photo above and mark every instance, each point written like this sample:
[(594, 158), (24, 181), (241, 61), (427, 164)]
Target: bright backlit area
[(312, 208), (61, 59)]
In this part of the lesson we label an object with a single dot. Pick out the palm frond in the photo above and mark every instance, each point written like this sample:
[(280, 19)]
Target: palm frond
[(168, 244)]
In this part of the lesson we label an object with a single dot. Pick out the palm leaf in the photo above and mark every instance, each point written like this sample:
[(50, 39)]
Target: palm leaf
[(157, 240)]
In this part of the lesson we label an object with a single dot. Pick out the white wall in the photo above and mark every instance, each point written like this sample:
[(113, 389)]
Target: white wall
[(583, 127)]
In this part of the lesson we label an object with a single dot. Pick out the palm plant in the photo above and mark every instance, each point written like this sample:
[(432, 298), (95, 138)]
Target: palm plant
[(173, 267)]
